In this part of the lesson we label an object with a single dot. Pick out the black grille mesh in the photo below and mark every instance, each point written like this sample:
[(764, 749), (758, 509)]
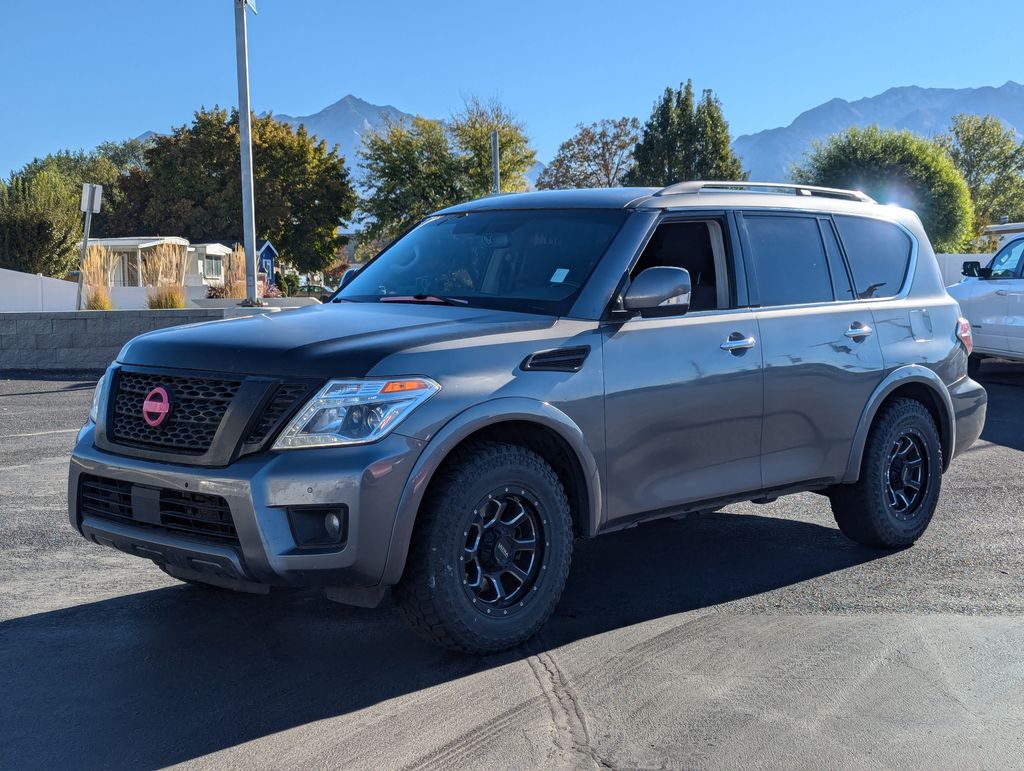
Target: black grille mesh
[(198, 406), (185, 513), (284, 400)]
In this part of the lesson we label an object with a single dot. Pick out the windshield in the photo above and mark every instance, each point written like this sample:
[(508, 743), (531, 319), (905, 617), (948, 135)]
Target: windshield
[(529, 260)]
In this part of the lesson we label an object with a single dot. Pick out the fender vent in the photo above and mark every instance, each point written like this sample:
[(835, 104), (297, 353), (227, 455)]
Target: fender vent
[(557, 360)]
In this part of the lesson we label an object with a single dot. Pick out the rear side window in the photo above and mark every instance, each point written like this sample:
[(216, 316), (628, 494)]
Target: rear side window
[(789, 260), (878, 253)]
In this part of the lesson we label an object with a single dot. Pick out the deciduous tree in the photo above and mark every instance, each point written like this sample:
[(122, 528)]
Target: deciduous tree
[(39, 223), (992, 162), (191, 187), (471, 129), (598, 155), (898, 167)]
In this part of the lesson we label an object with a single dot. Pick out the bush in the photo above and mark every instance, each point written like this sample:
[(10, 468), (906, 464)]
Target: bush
[(97, 298), (216, 292), (97, 271), (166, 296), (897, 167), (290, 284)]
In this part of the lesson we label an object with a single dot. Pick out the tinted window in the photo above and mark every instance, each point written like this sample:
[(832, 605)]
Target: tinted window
[(1006, 263), (533, 261), (878, 253), (789, 259), (840, 278)]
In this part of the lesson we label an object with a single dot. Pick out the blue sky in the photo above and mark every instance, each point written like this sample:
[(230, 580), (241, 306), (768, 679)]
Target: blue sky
[(77, 72)]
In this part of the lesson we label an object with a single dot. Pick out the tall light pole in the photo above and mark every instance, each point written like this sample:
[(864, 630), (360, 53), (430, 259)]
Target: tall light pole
[(245, 130)]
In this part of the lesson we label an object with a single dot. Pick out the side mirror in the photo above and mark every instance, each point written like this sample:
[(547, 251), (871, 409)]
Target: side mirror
[(347, 277), (659, 291), (971, 269)]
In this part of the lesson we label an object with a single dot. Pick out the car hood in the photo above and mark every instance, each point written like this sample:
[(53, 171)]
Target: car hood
[(333, 340)]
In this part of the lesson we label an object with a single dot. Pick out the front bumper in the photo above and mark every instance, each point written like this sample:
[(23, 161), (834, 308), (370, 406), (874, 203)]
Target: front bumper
[(367, 479)]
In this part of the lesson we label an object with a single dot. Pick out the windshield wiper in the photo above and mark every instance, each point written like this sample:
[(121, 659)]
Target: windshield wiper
[(423, 298)]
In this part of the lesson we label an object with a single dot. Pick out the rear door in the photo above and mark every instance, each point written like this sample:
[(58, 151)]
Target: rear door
[(822, 359)]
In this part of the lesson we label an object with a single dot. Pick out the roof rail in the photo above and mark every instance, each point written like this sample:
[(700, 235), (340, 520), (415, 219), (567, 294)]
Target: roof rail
[(698, 186)]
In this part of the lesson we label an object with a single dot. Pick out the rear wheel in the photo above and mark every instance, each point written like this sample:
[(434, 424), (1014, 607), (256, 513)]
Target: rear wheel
[(490, 552), (900, 479)]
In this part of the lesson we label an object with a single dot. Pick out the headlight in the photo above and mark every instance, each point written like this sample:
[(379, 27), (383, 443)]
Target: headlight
[(98, 397), (355, 412)]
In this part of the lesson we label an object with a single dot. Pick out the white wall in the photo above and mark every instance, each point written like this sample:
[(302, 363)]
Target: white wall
[(31, 292), (951, 265), (27, 292)]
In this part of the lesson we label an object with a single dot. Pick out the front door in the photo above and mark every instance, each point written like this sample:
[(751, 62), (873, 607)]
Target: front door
[(682, 412), (994, 297)]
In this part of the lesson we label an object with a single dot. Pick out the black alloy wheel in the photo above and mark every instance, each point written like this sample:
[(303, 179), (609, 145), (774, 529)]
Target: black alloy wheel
[(503, 552)]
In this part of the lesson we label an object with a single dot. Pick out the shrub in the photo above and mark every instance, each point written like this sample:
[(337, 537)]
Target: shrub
[(97, 271), (166, 296), (897, 167), (234, 274), (216, 292), (97, 298)]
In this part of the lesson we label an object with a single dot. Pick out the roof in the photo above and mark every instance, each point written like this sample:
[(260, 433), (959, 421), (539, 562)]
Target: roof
[(137, 242), (696, 195), (213, 248)]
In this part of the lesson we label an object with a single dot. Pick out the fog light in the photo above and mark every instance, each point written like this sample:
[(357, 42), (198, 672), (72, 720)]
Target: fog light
[(318, 527)]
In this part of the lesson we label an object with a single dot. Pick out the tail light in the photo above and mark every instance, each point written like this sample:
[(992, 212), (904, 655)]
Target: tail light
[(963, 334)]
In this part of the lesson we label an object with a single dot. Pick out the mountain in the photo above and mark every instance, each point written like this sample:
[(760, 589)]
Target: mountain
[(769, 155), (344, 123)]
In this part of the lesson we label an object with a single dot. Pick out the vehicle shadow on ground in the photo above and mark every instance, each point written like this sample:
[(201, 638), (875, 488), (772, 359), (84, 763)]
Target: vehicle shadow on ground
[(164, 676), (1003, 380)]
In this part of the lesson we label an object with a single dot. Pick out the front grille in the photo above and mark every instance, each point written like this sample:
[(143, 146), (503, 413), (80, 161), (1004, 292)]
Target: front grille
[(198, 405), (284, 400), (182, 513)]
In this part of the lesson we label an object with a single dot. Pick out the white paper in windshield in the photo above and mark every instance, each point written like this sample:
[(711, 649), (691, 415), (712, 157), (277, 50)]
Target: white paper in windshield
[(559, 275)]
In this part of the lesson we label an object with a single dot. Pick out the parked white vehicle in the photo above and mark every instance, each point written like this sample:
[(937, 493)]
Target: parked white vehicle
[(992, 299)]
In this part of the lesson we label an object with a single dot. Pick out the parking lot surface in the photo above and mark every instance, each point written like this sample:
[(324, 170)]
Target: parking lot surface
[(753, 637)]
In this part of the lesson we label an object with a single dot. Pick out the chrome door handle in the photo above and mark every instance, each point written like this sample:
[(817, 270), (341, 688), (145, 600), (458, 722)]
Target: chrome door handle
[(740, 344), (856, 333), (1001, 292)]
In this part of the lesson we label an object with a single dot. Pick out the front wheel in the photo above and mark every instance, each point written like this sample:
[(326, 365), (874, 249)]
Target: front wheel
[(490, 552), (900, 479)]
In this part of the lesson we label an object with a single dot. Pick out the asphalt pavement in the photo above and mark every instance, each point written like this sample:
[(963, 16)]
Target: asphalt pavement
[(756, 637)]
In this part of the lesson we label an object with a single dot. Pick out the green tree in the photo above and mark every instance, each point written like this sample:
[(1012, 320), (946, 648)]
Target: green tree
[(470, 131), (39, 223), (191, 187), (409, 170), (684, 139), (992, 162), (897, 167), (598, 155)]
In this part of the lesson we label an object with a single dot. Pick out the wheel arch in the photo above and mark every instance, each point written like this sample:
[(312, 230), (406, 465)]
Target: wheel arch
[(914, 382), (533, 424)]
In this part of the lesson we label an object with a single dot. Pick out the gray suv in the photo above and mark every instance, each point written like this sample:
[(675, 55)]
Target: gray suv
[(523, 370)]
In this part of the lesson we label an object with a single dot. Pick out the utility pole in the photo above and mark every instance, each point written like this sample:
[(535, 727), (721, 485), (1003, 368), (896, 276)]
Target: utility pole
[(495, 169), (92, 195), (245, 130)]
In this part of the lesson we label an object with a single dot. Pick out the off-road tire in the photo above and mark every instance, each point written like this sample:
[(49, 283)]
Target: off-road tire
[(432, 595), (863, 510)]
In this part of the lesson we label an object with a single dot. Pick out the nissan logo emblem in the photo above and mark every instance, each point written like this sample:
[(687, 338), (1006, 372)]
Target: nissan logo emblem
[(156, 406)]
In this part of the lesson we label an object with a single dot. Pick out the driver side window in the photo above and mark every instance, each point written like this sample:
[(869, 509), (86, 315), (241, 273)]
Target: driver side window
[(1006, 264), (697, 246)]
